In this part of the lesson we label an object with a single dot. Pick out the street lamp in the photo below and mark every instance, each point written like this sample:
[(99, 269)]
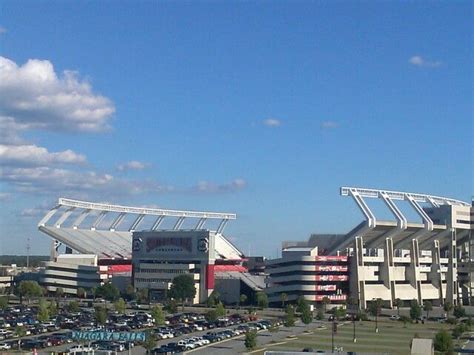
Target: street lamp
[(354, 339)]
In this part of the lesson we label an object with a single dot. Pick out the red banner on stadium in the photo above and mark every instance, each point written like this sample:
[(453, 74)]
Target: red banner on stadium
[(331, 297), (325, 288), (331, 258), (339, 268), (331, 278)]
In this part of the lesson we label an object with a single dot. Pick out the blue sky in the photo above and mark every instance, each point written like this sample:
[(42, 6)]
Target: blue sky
[(260, 108)]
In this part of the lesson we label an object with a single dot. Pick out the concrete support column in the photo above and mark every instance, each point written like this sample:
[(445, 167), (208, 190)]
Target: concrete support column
[(413, 271), (357, 281), (435, 272), (452, 274), (386, 271)]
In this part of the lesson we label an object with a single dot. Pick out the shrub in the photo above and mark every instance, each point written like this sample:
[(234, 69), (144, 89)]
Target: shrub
[(443, 341)]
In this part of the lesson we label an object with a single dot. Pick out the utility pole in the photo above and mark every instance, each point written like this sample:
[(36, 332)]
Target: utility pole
[(28, 253)]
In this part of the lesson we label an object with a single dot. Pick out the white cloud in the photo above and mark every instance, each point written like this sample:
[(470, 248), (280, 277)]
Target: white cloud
[(132, 165), (419, 61), (209, 187), (35, 96), (329, 124), (87, 184), (3, 30), (32, 155), (272, 122)]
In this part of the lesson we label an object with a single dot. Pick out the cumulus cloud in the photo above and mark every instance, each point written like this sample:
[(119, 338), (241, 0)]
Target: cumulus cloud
[(329, 124), (419, 61), (34, 155), (209, 187), (45, 180), (34, 95), (132, 165), (272, 122)]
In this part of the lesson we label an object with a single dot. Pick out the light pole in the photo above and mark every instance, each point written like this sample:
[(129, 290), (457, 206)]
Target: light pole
[(354, 339)]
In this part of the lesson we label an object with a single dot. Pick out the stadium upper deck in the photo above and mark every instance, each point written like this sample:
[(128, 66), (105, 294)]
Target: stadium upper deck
[(106, 230)]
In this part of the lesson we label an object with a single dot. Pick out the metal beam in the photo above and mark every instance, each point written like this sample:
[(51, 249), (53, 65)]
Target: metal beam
[(137, 221), (398, 195), (145, 211), (117, 221), (80, 219), (179, 223), (200, 223), (99, 219), (64, 216), (157, 223), (48, 216)]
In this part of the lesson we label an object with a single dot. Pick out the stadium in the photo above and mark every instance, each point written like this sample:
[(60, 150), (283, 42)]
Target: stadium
[(97, 236), (423, 258), (428, 258)]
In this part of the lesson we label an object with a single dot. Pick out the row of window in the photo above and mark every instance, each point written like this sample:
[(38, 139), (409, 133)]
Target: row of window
[(308, 273), (164, 271), (71, 278), (73, 270)]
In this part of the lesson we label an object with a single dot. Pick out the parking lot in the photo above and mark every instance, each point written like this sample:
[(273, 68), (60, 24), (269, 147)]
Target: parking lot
[(20, 329)]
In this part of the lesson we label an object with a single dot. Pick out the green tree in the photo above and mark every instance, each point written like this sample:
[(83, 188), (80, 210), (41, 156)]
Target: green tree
[(108, 291), (100, 315), (375, 307), (211, 315), (283, 299), (81, 292), (52, 309), (427, 307), (158, 315), (242, 299), (59, 292), (120, 306), (20, 331), (340, 312), (143, 295), (262, 300), (459, 330), (3, 303), (220, 310), (320, 314), (182, 289), (459, 311), (171, 306), (290, 316), (326, 300), (415, 310), (251, 340), (443, 341), (29, 289), (398, 303), (73, 307), (43, 312), (150, 342), (301, 303), (447, 306), (306, 315), (213, 298), (130, 293)]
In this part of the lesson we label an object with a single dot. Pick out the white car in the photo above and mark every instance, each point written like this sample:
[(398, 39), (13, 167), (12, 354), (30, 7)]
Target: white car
[(394, 317), (80, 349), (5, 346)]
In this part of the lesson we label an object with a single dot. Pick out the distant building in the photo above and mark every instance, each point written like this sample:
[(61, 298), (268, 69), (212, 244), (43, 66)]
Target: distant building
[(302, 272), (71, 272)]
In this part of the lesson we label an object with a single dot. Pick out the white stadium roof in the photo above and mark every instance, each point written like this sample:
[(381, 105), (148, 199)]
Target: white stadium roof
[(108, 240)]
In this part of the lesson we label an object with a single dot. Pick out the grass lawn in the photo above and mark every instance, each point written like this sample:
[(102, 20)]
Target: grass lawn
[(392, 338)]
